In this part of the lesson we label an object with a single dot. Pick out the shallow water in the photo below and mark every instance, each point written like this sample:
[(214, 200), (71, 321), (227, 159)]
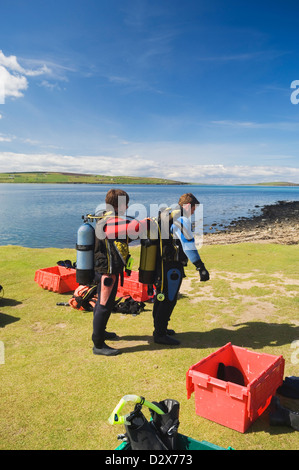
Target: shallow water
[(49, 215)]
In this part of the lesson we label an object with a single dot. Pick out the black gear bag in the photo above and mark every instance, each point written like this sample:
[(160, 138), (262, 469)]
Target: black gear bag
[(158, 434)]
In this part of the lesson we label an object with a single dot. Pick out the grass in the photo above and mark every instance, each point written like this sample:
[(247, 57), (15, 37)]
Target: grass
[(55, 394)]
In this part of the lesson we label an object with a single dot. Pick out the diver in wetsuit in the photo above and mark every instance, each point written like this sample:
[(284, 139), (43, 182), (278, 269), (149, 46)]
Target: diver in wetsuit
[(176, 251), (111, 254)]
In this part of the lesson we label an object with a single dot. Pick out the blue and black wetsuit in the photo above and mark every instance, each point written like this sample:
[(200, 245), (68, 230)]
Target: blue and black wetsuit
[(177, 251)]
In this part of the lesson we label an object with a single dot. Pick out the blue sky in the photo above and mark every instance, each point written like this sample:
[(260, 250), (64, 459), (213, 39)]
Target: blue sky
[(191, 90)]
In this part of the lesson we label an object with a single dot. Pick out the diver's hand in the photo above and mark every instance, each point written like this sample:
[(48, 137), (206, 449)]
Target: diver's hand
[(203, 272)]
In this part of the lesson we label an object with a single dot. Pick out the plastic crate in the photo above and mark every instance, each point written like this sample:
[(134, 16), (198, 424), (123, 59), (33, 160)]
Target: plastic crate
[(230, 404), (131, 286), (57, 279), (184, 443)]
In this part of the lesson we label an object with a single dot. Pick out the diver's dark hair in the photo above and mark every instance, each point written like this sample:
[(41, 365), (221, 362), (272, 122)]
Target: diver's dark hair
[(188, 198), (113, 195)]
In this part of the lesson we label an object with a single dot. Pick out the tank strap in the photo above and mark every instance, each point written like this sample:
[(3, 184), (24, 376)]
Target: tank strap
[(84, 247)]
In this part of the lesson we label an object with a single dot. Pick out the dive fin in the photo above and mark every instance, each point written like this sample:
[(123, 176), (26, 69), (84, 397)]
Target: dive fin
[(230, 374)]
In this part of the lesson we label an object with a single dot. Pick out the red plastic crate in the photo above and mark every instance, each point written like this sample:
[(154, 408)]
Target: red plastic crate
[(57, 279), (134, 288), (232, 405)]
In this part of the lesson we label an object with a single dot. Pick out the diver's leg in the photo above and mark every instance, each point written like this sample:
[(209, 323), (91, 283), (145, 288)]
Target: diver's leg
[(107, 288)]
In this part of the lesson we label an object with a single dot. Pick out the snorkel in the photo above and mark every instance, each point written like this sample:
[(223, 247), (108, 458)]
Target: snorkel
[(116, 418)]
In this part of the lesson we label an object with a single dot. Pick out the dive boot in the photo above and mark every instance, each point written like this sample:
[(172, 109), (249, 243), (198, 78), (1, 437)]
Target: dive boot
[(105, 350), (170, 332), (110, 335), (281, 416), (166, 339)]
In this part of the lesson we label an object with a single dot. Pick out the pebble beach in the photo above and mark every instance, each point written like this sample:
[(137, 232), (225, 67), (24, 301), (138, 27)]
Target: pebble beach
[(277, 223)]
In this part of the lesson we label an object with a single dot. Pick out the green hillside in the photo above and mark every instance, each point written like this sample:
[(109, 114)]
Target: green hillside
[(277, 183), (79, 178)]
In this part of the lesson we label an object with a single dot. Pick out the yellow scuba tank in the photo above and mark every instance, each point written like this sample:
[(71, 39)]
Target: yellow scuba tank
[(152, 244), (148, 257)]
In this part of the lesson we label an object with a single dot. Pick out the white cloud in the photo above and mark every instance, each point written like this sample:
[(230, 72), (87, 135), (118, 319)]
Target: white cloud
[(134, 165), (11, 63), (4, 138), (13, 77), (11, 85)]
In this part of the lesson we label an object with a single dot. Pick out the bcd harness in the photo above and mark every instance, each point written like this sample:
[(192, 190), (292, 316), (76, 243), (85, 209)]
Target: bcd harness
[(161, 247), (111, 251)]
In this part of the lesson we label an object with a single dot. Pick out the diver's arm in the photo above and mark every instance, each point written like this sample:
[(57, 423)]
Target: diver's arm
[(181, 229)]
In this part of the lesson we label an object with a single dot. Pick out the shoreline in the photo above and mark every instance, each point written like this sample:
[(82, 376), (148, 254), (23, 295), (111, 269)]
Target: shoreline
[(277, 223)]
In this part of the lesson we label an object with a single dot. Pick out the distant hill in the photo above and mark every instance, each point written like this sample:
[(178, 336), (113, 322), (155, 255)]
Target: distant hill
[(83, 178), (277, 183), (78, 178)]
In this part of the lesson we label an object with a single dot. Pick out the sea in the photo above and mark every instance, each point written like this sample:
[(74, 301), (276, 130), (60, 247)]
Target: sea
[(49, 215)]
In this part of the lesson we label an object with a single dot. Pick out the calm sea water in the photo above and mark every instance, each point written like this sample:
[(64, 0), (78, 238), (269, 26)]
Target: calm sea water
[(45, 215)]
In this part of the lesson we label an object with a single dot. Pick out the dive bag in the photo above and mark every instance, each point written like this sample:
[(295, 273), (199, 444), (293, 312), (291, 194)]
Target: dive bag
[(158, 434)]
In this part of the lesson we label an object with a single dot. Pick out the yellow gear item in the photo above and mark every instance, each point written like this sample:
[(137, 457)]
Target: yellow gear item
[(148, 259), (148, 255), (123, 250)]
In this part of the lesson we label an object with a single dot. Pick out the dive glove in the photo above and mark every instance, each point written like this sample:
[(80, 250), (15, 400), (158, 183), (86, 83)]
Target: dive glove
[(203, 272)]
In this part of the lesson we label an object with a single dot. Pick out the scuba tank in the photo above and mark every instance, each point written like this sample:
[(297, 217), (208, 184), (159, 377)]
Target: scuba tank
[(148, 258), (152, 246), (85, 254), (111, 228)]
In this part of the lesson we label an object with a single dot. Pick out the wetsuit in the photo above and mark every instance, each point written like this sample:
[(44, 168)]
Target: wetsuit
[(176, 252), (111, 253)]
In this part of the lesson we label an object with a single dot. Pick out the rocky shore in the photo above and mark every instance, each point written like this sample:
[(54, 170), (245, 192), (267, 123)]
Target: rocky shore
[(277, 223)]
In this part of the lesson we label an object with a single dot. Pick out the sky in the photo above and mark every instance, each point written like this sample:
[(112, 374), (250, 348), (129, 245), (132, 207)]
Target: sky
[(203, 91)]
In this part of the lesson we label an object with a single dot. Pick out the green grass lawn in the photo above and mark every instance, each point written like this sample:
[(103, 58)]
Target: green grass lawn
[(55, 394)]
